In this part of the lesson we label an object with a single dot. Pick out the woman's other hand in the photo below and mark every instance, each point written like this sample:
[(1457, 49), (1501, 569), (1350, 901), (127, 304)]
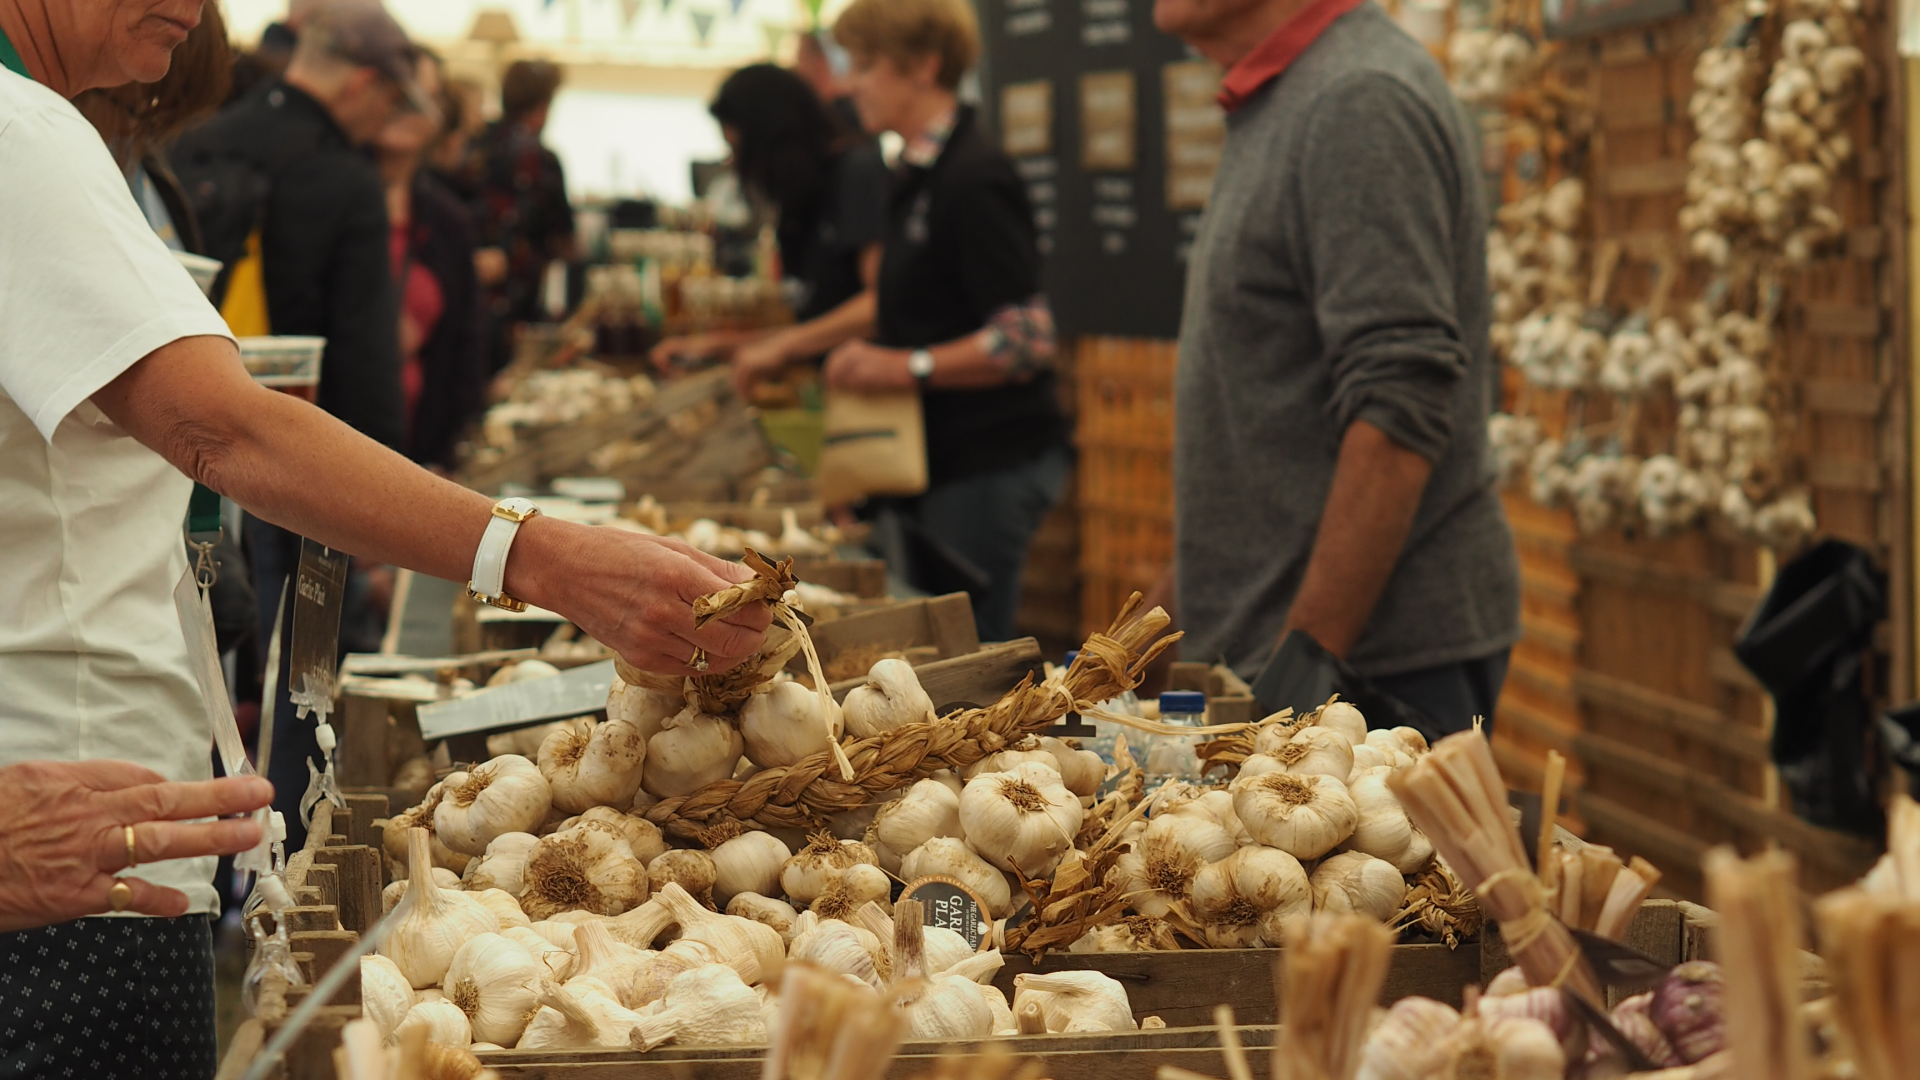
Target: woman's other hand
[(686, 350), (634, 594), (758, 361), (63, 835), (862, 365)]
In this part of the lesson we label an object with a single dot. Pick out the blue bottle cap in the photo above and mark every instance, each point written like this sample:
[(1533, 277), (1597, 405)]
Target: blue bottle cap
[(1187, 702)]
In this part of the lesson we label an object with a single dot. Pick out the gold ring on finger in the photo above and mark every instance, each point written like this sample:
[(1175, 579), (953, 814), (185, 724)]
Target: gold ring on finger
[(699, 661), (120, 896), (132, 852)]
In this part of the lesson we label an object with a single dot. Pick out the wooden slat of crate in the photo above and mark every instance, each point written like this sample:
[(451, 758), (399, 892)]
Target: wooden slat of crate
[(1124, 487), (767, 518), (855, 577), (941, 623)]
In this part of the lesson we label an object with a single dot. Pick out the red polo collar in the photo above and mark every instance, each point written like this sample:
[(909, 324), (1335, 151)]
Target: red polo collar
[(1281, 48)]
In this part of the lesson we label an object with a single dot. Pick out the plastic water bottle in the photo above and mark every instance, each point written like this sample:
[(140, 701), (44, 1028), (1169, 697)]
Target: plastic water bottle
[(1172, 757)]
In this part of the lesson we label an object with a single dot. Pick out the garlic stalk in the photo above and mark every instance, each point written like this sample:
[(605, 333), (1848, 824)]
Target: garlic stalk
[(748, 863), (815, 868), (556, 959), (777, 914), (1304, 816), (504, 795), (708, 1006), (650, 982), (1021, 820), (692, 870), (599, 768), (577, 1019), (1246, 899), (390, 896), (385, 994), (928, 809), (492, 980), (430, 922), (599, 956), (691, 751), (443, 1022), (582, 870), (1076, 1001), (503, 865), (1158, 871), (785, 722), (752, 947), (1359, 883), (950, 858), (935, 1006), (892, 698)]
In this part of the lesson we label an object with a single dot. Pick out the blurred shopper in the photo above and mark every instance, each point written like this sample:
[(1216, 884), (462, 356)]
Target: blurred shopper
[(824, 64), (268, 60), (443, 364), (520, 203), (830, 189), (960, 314), (1335, 342)]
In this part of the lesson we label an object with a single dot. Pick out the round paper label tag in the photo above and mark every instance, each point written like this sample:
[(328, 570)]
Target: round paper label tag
[(954, 906)]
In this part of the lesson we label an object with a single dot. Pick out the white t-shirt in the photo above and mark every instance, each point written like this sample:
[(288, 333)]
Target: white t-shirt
[(93, 659)]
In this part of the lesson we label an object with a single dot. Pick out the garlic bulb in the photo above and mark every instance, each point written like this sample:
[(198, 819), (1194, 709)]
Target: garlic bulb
[(1009, 760), (1157, 872), (840, 948), (748, 863), (555, 959), (599, 768), (1510, 981), (950, 858), (1410, 1042), (891, 698), (1275, 731), (1504, 1048), (786, 722), (600, 957), (643, 707), (385, 994), (431, 922), (692, 870), (1076, 1000), (1082, 771), (1344, 718), (815, 868), (1549, 1006), (504, 795), (1003, 1022), (582, 870), (859, 884), (504, 865), (504, 907), (650, 982), (1304, 816), (526, 741), (1410, 738), (391, 895), (643, 836), (1025, 819), (443, 1021), (1135, 933), (1216, 806), (945, 1007), (777, 914), (708, 1006), (492, 980), (578, 1018), (753, 948), (393, 835), (1382, 828), (1245, 899), (1361, 884), (691, 751), (1317, 751), (928, 809), (559, 934)]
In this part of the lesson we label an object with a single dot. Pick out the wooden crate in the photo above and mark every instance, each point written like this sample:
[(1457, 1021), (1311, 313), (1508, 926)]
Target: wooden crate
[(935, 628), (1124, 490), (856, 577)]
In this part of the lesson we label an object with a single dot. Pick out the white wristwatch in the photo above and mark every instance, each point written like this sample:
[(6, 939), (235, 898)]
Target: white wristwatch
[(489, 584)]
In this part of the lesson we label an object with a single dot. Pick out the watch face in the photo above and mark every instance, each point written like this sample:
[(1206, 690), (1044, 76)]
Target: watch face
[(920, 364)]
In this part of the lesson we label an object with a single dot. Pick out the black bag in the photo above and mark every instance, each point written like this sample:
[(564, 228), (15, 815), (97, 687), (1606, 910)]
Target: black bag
[(1807, 644), (1303, 674)]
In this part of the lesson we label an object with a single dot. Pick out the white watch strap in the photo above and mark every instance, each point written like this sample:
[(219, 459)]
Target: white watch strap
[(490, 562)]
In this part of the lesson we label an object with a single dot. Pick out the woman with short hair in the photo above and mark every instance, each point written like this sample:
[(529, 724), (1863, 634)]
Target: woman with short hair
[(960, 313)]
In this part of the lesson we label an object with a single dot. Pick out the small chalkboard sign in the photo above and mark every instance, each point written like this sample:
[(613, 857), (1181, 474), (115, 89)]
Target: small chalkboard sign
[(954, 906)]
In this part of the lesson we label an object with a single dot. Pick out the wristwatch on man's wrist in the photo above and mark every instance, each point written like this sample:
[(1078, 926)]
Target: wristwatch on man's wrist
[(920, 366), (489, 584)]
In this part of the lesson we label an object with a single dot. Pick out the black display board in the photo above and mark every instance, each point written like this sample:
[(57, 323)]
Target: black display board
[(1078, 91)]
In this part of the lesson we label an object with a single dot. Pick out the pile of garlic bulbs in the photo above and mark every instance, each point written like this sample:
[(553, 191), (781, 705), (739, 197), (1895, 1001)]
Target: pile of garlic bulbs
[(546, 399), (730, 542)]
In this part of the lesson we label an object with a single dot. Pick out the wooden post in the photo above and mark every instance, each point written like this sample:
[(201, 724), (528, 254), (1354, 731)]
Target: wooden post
[(311, 1055), (327, 947), (363, 743), (357, 869), (367, 809), (326, 878), (307, 918)]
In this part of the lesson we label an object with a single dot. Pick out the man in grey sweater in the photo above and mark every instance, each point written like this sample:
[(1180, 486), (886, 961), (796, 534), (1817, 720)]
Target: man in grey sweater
[(1331, 467)]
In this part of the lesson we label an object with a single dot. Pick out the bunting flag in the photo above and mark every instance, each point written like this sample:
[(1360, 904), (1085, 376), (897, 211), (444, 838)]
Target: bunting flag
[(629, 9), (776, 36), (813, 13), (737, 5), (703, 26)]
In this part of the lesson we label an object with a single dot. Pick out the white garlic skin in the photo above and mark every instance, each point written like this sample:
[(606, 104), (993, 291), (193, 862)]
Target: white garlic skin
[(1082, 771), (1360, 884), (817, 867), (748, 863), (588, 870), (708, 1006), (607, 1022), (644, 708), (691, 751), (785, 723), (1305, 816), (1265, 883), (1410, 1042), (891, 698), (1160, 868), (1345, 719), (840, 948), (1025, 819), (556, 959), (504, 907), (1382, 828), (952, 858), (599, 768), (777, 914), (1076, 1000), (444, 1023), (385, 994), (692, 870), (945, 1007), (1317, 751), (430, 923), (643, 836), (504, 795), (492, 980), (504, 864), (928, 809)]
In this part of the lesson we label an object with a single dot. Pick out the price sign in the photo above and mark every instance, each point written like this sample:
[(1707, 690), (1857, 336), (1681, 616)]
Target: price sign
[(954, 906)]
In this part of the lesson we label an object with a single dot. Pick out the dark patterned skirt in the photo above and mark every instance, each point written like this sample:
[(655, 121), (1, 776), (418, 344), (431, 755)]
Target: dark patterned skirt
[(99, 998)]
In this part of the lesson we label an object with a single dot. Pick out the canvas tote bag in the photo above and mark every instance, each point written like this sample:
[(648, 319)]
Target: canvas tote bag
[(876, 444)]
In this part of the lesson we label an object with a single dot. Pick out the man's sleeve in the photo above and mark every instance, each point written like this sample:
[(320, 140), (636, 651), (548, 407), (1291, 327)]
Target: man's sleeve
[(86, 288), (1379, 189), (861, 203), (999, 249), (354, 294)]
